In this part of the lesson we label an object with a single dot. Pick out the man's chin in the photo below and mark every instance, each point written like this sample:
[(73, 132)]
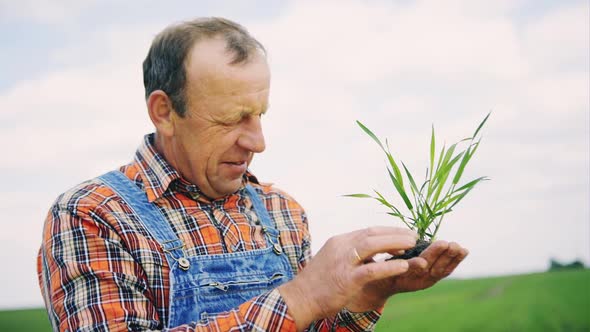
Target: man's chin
[(230, 187)]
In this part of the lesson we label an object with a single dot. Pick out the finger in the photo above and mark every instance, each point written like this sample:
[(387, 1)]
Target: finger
[(358, 260), (367, 247), (456, 261), (440, 268), (417, 265), (380, 270), (433, 251), (444, 265), (382, 230)]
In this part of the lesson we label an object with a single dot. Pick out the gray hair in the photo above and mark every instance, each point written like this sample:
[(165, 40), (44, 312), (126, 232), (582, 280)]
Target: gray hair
[(164, 67)]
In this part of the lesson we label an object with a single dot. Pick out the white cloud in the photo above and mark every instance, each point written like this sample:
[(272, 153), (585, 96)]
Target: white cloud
[(351, 41), (44, 11), (67, 116), (560, 39)]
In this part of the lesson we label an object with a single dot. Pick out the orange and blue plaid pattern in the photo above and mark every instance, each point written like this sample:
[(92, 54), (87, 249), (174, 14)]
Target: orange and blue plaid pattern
[(100, 272)]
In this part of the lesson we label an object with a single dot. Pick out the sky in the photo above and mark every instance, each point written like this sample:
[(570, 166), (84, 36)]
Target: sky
[(72, 108)]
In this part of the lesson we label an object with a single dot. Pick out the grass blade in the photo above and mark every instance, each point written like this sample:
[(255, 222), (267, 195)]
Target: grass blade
[(400, 190), (401, 217), (430, 217), (448, 155), (442, 167), (432, 147), (392, 162), (370, 133), (443, 175), (396, 170), (424, 185), (464, 161), (431, 184), (472, 183), (359, 196), (411, 179), (440, 158), (442, 212), (481, 125), (459, 197), (444, 171), (383, 201)]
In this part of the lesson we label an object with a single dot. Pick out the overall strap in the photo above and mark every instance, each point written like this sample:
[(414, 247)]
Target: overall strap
[(149, 215), (267, 225)]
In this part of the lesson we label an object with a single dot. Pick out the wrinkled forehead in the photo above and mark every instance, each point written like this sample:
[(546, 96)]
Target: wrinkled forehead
[(210, 71)]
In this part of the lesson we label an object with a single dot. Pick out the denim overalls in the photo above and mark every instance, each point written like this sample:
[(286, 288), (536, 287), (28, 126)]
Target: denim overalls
[(201, 286)]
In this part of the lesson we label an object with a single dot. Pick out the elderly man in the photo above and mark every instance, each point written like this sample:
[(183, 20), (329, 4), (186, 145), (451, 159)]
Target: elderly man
[(186, 238)]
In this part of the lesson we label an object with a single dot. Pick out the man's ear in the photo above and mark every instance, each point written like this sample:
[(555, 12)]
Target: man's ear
[(161, 112)]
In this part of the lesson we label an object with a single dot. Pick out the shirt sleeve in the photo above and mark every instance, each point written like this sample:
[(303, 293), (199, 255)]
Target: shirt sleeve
[(91, 283), (344, 320)]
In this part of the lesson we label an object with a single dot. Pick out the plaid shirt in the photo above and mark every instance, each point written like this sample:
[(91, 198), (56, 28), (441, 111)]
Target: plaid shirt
[(97, 271)]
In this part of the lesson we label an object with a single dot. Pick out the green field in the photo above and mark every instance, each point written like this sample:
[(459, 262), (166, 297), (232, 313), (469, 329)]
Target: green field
[(553, 301), (24, 320)]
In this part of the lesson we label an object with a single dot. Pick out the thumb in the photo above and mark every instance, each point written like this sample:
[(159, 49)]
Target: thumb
[(366, 273)]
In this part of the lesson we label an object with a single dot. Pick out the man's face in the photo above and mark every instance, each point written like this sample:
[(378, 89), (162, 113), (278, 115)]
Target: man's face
[(215, 142)]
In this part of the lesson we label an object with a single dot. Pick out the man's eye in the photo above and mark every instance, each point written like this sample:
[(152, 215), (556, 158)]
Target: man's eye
[(232, 123), (227, 123)]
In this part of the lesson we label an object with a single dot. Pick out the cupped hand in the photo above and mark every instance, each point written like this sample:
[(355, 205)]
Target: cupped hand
[(438, 261), (338, 271)]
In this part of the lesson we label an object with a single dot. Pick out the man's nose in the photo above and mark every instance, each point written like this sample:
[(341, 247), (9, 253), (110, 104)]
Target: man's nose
[(252, 138)]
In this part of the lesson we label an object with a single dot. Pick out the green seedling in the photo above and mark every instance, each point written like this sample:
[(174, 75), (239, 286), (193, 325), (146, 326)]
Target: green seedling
[(428, 203)]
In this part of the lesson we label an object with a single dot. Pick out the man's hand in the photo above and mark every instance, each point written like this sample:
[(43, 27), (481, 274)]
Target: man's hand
[(436, 262), (338, 272)]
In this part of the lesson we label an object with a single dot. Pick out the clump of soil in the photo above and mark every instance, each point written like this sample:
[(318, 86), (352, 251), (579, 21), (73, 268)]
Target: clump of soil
[(421, 245)]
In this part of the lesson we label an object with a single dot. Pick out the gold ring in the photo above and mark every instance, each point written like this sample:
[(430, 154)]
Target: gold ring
[(356, 255)]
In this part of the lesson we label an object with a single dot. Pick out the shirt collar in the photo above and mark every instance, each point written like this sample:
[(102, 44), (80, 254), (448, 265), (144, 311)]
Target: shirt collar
[(158, 175)]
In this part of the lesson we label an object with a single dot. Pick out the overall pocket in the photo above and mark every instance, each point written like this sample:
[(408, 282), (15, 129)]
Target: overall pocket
[(223, 295), (241, 285)]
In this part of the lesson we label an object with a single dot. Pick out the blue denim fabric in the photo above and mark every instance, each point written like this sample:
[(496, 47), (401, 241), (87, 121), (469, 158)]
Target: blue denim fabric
[(201, 286)]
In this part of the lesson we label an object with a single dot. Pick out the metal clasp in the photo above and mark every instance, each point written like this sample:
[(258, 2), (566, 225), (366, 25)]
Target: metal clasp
[(183, 262), (276, 247)]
